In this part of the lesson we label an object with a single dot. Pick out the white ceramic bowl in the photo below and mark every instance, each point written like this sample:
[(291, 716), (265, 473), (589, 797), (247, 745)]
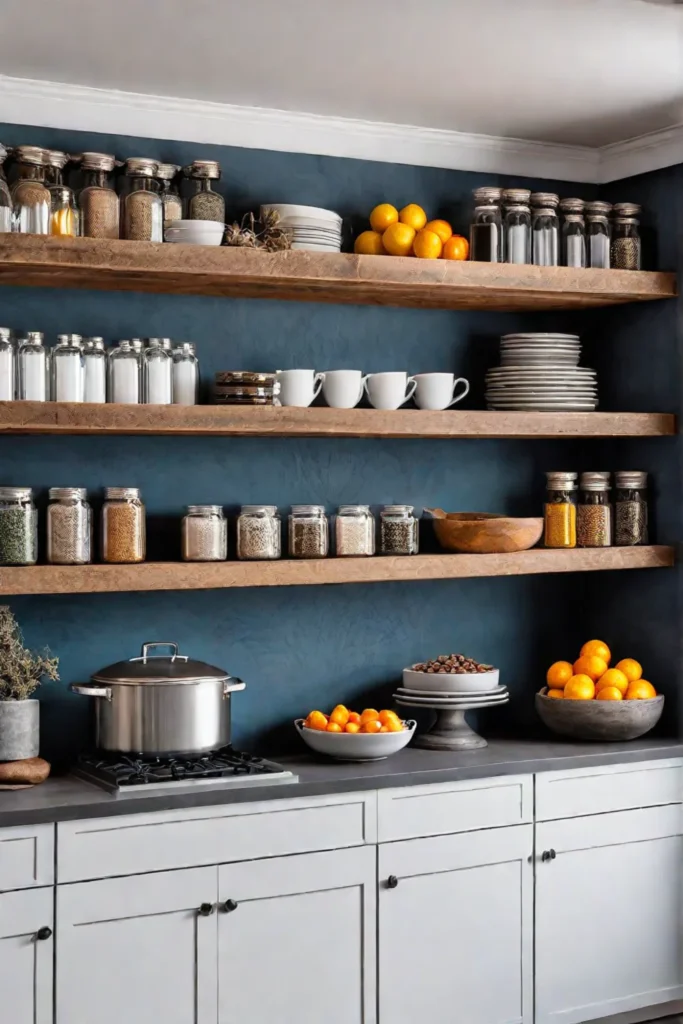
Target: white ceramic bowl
[(195, 232), (448, 682), (358, 746), (290, 212)]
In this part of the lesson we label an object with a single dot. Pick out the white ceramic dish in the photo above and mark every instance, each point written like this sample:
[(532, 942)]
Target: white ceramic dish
[(496, 691), (444, 705), (452, 699), (450, 682), (345, 746), (195, 232), (290, 211), (541, 334)]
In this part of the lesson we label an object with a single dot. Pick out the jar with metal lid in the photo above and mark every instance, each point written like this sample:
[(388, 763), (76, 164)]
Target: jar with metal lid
[(95, 370), (123, 526), (517, 225), (559, 511), (69, 526), (30, 195), (8, 373), (97, 199), (170, 197), (204, 534), (598, 233), (142, 212), (573, 233), (630, 509), (625, 253), (123, 374), (355, 531), (185, 374), (68, 369), (65, 217), (18, 527), (5, 196), (258, 533), (398, 530), (308, 532), (486, 230), (33, 363), (204, 203), (545, 229), (157, 373), (594, 512)]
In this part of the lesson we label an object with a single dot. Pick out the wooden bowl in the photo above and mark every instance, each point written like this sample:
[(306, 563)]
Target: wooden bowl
[(482, 533), (606, 720)]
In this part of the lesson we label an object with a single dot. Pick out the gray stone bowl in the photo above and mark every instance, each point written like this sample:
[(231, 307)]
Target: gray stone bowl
[(602, 720)]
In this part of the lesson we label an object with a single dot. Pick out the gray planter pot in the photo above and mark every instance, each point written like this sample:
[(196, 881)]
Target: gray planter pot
[(19, 729)]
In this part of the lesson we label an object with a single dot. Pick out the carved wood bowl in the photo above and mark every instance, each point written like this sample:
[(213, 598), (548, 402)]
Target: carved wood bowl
[(482, 533), (602, 720)]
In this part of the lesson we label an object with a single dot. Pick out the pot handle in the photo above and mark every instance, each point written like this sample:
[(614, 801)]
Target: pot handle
[(91, 691), (233, 684)]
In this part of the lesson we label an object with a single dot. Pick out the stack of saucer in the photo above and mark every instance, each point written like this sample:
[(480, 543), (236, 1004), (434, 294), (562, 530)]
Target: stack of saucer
[(309, 227), (540, 372), (244, 387)]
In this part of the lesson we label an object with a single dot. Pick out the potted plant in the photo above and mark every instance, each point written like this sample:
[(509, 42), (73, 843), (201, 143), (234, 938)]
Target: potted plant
[(21, 671)]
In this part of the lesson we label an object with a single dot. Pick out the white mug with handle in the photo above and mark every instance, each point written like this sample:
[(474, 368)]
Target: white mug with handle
[(389, 390), (437, 390), (343, 389), (299, 387)]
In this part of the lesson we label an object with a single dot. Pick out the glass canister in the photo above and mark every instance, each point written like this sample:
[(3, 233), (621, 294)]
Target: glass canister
[(398, 530), (65, 217), (5, 197), (486, 230), (204, 203), (68, 369), (185, 375), (95, 370), (355, 531), (97, 199), (8, 372), (69, 526), (157, 373), (204, 534), (630, 509), (598, 233), (123, 526), (123, 374), (308, 532), (559, 511), (258, 533), (30, 195), (625, 253), (517, 225), (142, 212), (170, 197), (18, 527), (545, 229), (594, 512), (33, 368), (573, 233)]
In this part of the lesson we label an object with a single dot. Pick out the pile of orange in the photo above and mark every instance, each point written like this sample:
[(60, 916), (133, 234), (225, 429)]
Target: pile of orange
[(591, 678), (407, 232), (343, 720)]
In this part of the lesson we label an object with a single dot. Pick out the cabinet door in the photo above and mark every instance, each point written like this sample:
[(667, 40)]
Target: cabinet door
[(300, 944), (608, 914), (26, 959), (137, 950), (455, 928)]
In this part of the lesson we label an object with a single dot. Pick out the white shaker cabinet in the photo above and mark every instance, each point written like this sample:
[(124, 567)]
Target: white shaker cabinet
[(26, 956)]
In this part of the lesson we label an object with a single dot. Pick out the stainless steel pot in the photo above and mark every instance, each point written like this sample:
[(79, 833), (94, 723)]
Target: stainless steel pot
[(160, 704)]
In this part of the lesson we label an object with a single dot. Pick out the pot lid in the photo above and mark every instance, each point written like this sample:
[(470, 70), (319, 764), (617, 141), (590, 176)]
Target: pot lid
[(160, 668)]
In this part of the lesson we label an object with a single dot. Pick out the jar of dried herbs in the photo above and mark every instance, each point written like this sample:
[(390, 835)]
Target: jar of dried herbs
[(141, 207), (123, 525), (630, 509), (308, 532), (398, 530), (69, 526), (355, 530), (30, 195), (594, 512), (98, 201), (170, 197), (204, 534), (559, 510), (258, 533), (204, 203), (625, 251), (18, 527)]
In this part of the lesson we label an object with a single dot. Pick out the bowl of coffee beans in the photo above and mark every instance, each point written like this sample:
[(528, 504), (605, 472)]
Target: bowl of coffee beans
[(451, 673)]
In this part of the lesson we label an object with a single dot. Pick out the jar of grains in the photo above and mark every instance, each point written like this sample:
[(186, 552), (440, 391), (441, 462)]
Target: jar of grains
[(30, 195), (630, 509), (398, 530), (69, 526), (18, 527), (594, 514), (258, 533), (355, 530), (141, 207), (123, 525), (98, 201), (308, 532), (170, 197), (559, 511), (204, 534), (204, 203)]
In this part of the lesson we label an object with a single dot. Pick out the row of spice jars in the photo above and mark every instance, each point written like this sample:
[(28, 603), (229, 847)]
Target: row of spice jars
[(587, 519), (516, 225)]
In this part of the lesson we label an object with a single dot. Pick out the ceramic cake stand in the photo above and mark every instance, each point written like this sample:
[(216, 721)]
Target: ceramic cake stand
[(450, 731)]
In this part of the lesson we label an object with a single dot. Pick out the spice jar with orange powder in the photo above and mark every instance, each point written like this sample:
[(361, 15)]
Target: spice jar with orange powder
[(559, 511)]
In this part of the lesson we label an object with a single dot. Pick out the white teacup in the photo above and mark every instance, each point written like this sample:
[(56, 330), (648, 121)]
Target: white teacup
[(299, 387), (437, 390), (389, 390), (342, 389)]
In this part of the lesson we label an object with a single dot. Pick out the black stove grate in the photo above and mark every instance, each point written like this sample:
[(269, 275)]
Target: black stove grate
[(123, 770)]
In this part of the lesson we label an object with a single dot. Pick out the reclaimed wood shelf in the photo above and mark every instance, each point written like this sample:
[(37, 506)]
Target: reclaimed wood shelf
[(93, 579), (285, 421), (45, 261)]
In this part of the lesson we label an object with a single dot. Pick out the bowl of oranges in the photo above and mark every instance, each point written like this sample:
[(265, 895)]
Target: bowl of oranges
[(589, 700), (355, 736), (410, 232)]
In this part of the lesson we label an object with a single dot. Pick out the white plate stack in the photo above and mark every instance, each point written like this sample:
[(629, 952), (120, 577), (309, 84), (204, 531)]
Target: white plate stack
[(541, 373), (309, 227)]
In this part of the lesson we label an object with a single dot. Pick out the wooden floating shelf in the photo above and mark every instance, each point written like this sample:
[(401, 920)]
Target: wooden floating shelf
[(240, 421), (316, 277), (93, 579)]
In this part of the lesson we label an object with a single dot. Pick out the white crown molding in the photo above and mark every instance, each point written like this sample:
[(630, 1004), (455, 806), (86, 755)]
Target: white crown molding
[(642, 154)]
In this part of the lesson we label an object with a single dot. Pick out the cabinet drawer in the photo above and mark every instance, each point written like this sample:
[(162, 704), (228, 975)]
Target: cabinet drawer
[(414, 811), (26, 856), (619, 787), (136, 843)]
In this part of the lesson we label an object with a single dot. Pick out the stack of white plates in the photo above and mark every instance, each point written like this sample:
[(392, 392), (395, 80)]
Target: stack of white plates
[(440, 700), (540, 349), (540, 373), (309, 227)]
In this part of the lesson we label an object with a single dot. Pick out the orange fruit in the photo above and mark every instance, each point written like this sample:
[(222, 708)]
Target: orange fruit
[(579, 687), (386, 715), (559, 673), (640, 690), (441, 228), (384, 728), (340, 715), (371, 725), (427, 245), (591, 666), (609, 693), (398, 239), (354, 717), (456, 248), (382, 216), (597, 649), (369, 243), (368, 714), (393, 725), (631, 668), (316, 720), (352, 727), (333, 727), (612, 677), (557, 694), (413, 215)]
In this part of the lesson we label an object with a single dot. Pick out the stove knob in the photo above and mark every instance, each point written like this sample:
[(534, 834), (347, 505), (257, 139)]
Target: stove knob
[(230, 905), (44, 933), (206, 909)]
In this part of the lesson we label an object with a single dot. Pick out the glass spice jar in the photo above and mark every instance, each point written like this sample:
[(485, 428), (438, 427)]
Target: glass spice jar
[(308, 532), (123, 526), (95, 370), (630, 509), (625, 251), (398, 530), (573, 233), (142, 212), (157, 373), (97, 199), (18, 527), (65, 217), (30, 195), (594, 512), (517, 225), (258, 533), (170, 197), (355, 530), (69, 526), (7, 365), (68, 369), (598, 233), (545, 229), (204, 534), (185, 375), (486, 230), (203, 202), (33, 365), (123, 373), (559, 510), (5, 197)]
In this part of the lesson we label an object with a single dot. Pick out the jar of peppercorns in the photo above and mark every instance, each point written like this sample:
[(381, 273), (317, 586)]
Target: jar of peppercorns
[(630, 509)]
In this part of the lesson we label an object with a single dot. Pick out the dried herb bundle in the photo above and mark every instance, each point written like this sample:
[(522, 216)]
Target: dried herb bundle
[(264, 234), (21, 670)]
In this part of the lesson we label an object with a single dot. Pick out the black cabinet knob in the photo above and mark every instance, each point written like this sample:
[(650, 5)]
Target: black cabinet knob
[(548, 855), (206, 909), (553, 855), (230, 905), (392, 882), (44, 933)]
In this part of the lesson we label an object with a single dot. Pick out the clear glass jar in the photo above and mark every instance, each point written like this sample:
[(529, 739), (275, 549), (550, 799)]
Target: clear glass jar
[(95, 370), (18, 527), (185, 375), (33, 362), (594, 512), (65, 217), (123, 374), (8, 369), (30, 195), (309, 535), (170, 197), (486, 230), (157, 373), (203, 202), (97, 199), (142, 212), (517, 225), (68, 369), (559, 511), (258, 533), (69, 526), (354, 531), (625, 253), (630, 509), (5, 196), (545, 229), (598, 233), (573, 233), (204, 534), (123, 526), (398, 530)]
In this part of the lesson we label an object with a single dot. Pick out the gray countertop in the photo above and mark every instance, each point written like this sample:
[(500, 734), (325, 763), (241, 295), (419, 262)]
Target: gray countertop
[(65, 797)]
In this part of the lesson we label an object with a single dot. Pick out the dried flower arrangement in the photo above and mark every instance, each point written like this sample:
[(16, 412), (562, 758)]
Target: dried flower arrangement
[(268, 237), (21, 670)]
